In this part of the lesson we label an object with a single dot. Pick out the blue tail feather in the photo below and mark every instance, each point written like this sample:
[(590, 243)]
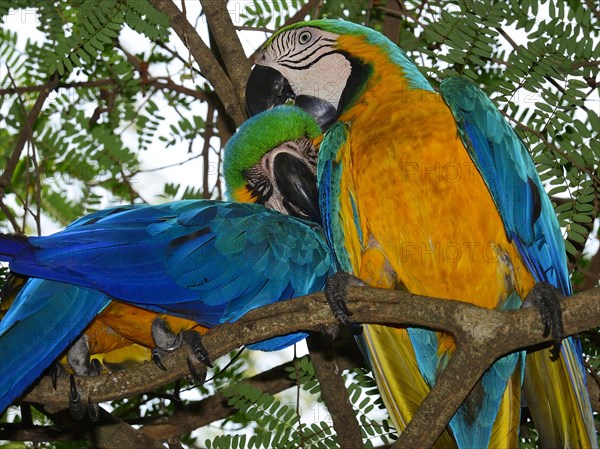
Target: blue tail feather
[(11, 245), (44, 319)]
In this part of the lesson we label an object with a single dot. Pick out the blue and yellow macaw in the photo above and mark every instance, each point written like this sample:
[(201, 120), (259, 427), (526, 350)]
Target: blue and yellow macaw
[(205, 261), (435, 194)]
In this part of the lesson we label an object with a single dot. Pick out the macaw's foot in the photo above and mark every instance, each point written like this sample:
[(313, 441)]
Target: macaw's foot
[(78, 357), (167, 341), (80, 360), (55, 371), (76, 407), (546, 299), (336, 293)]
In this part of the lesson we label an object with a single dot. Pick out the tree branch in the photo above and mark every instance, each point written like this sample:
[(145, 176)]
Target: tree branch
[(26, 133), (595, 10), (229, 45), (193, 415), (392, 19), (209, 66), (475, 329), (109, 432), (162, 83), (334, 392), (585, 63)]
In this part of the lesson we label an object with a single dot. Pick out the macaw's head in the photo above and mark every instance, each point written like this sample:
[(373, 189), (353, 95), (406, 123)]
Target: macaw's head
[(271, 160), (323, 66)]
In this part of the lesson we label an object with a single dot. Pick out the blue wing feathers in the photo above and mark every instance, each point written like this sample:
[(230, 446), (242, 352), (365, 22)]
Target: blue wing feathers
[(207, 261), (160, 256)]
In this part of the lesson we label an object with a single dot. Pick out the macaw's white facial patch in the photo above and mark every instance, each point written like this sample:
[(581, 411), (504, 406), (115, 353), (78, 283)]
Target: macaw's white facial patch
[(307, 57)]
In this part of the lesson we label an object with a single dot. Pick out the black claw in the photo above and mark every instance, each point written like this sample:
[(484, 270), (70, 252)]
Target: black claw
[(75, 406), (197, 376), (194, 341), (96, 367), (167, 341), (56, 369), (158, 359), (93, 410), (546, 300), (73, 393), (336, 294)]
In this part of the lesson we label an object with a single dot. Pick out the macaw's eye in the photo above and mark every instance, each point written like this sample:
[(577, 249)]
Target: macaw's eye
[(305, 37)]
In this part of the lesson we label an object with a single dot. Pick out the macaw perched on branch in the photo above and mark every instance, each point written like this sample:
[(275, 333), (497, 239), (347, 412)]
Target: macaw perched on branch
[(435, 194), (205, 261)]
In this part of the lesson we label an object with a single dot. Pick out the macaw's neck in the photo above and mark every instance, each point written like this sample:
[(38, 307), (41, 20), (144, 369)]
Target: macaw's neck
[(391, 76)]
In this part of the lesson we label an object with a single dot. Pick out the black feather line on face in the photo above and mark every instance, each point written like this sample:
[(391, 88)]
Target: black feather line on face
[(293, 64), (259, 184), (308, 152)]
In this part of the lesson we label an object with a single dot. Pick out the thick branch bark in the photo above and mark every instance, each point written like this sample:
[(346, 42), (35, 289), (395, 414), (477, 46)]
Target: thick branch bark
[(334, 392), (453, 385), (109, 432), (209, 66), (392, 20), (520, 329), (235, 60), (192, 415)]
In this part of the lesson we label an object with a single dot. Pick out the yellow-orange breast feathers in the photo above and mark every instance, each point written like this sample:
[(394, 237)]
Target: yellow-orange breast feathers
[(420, 196)]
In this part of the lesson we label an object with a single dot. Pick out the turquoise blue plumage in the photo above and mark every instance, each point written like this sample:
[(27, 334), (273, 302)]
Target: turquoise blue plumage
[(509, 172), (530, 221), (207, 261)]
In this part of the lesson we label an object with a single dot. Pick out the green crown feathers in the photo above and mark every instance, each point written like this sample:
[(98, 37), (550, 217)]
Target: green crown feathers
[(259, 135)]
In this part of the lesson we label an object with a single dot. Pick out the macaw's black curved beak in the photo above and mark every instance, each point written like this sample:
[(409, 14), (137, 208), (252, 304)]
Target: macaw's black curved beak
[(266, 88), (298, 185), (321, 110)]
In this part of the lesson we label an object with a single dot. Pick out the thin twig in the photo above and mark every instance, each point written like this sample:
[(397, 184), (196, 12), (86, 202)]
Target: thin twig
[(209, 66), (11, 217), (26, 134), (553, 147), (593, 7), (175, 164), (249, 28), (208, 133)]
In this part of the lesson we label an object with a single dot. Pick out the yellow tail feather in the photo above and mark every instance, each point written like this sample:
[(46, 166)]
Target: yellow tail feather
[(400, 382), (552, 400)]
